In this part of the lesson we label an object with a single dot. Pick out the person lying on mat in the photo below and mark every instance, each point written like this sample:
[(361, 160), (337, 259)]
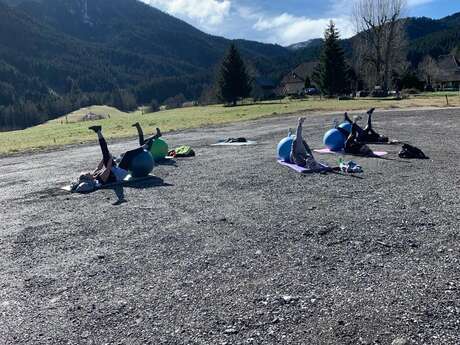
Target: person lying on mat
[(301, 154), (146, 143), (368, 134), (353, 145)]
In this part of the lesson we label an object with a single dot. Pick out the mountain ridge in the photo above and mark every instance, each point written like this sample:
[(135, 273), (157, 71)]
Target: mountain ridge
[(426, 36), (56, 55)]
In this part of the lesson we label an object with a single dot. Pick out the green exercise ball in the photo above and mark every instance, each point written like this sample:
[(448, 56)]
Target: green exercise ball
[(159, 150)]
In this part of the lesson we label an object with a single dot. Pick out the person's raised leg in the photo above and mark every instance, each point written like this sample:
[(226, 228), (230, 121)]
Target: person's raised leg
[(347, 118), (298, 150), (369, 120), (106, 156), (140, 133), (299, 136), (148, 143), (344, 132), (351, 143), (369, 132)]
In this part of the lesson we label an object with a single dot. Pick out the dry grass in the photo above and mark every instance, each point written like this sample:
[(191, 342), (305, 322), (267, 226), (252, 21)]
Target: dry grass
[(71, 129)]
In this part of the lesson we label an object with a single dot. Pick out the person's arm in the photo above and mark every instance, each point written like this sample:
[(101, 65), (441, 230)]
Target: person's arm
[(105, 173), (351, 138), (100, 165), (98, 170)]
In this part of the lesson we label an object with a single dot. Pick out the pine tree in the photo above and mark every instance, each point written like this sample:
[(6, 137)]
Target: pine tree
[(234, 80), (331, 75)]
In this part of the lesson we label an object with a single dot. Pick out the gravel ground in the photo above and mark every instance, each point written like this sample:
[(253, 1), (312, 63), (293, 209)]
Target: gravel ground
[(231, 248)]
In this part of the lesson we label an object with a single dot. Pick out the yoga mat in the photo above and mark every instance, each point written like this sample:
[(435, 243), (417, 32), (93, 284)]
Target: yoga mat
[(391, 142), (328, 151), (303, 170), (235, 144)]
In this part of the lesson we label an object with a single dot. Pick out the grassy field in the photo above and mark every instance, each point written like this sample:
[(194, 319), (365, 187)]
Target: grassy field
[(72, 130)]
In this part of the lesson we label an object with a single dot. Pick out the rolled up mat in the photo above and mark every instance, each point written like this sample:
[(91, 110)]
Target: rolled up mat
[(235, 144)]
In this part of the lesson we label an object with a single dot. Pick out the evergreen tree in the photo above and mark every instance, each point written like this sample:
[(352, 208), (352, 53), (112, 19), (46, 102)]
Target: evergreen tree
[(234, 80), (331, 75)]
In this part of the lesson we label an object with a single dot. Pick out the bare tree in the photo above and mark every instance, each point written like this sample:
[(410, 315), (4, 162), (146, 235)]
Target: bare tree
[(428, 69), (380, 44)]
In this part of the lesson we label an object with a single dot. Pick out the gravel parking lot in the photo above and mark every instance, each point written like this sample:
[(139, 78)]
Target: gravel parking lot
[(231, 248)]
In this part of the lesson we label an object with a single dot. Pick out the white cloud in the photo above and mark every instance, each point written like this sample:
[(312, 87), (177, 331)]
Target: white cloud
[(206, 12), (238, 19), (288, 29), (414, 3)]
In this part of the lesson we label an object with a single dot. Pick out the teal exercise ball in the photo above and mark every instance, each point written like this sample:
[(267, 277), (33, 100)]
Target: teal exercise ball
[(334, 140), (346, 126), (284, 149), (142, 165), (159, 150)]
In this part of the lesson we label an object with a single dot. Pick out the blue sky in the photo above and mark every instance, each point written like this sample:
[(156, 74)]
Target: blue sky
[(282, 21)]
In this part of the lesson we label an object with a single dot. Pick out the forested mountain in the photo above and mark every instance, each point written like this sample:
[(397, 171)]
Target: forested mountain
[(58, 55), (51, 48), (425, 37)]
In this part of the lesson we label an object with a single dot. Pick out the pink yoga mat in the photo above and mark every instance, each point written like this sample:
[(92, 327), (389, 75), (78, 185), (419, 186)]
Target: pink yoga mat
[(303, 170), (328, 151)]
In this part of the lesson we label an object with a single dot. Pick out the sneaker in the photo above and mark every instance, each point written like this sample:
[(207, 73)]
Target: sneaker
[(350, 167), (347, 118), (354, 168), (95, 128), (159, 134)]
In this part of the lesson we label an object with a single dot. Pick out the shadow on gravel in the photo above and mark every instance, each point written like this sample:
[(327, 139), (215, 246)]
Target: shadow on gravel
[(150, 182), (393, 159), (347, 175), (167, 162), (146, 183)]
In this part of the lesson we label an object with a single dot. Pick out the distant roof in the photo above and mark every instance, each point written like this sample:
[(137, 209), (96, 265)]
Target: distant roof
[(292, 78), (300, 73), (448, 69), (306, 69)]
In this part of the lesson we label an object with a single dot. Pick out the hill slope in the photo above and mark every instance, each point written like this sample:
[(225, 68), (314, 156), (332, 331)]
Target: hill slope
[(106, 44)]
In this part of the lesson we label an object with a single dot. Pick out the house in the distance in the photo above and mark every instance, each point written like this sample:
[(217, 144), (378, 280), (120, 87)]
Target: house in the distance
[(447, 74), (294, 82)]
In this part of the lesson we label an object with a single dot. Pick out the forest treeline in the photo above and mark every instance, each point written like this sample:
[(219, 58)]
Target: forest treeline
[(58, 56)]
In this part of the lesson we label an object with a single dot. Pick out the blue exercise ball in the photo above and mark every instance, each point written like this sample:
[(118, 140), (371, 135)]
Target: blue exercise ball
[(284, 149), (346, 126), (334, 140), (142, 165)]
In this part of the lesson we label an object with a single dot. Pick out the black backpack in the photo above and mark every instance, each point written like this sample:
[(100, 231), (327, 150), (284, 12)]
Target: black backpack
[(409, 151)]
